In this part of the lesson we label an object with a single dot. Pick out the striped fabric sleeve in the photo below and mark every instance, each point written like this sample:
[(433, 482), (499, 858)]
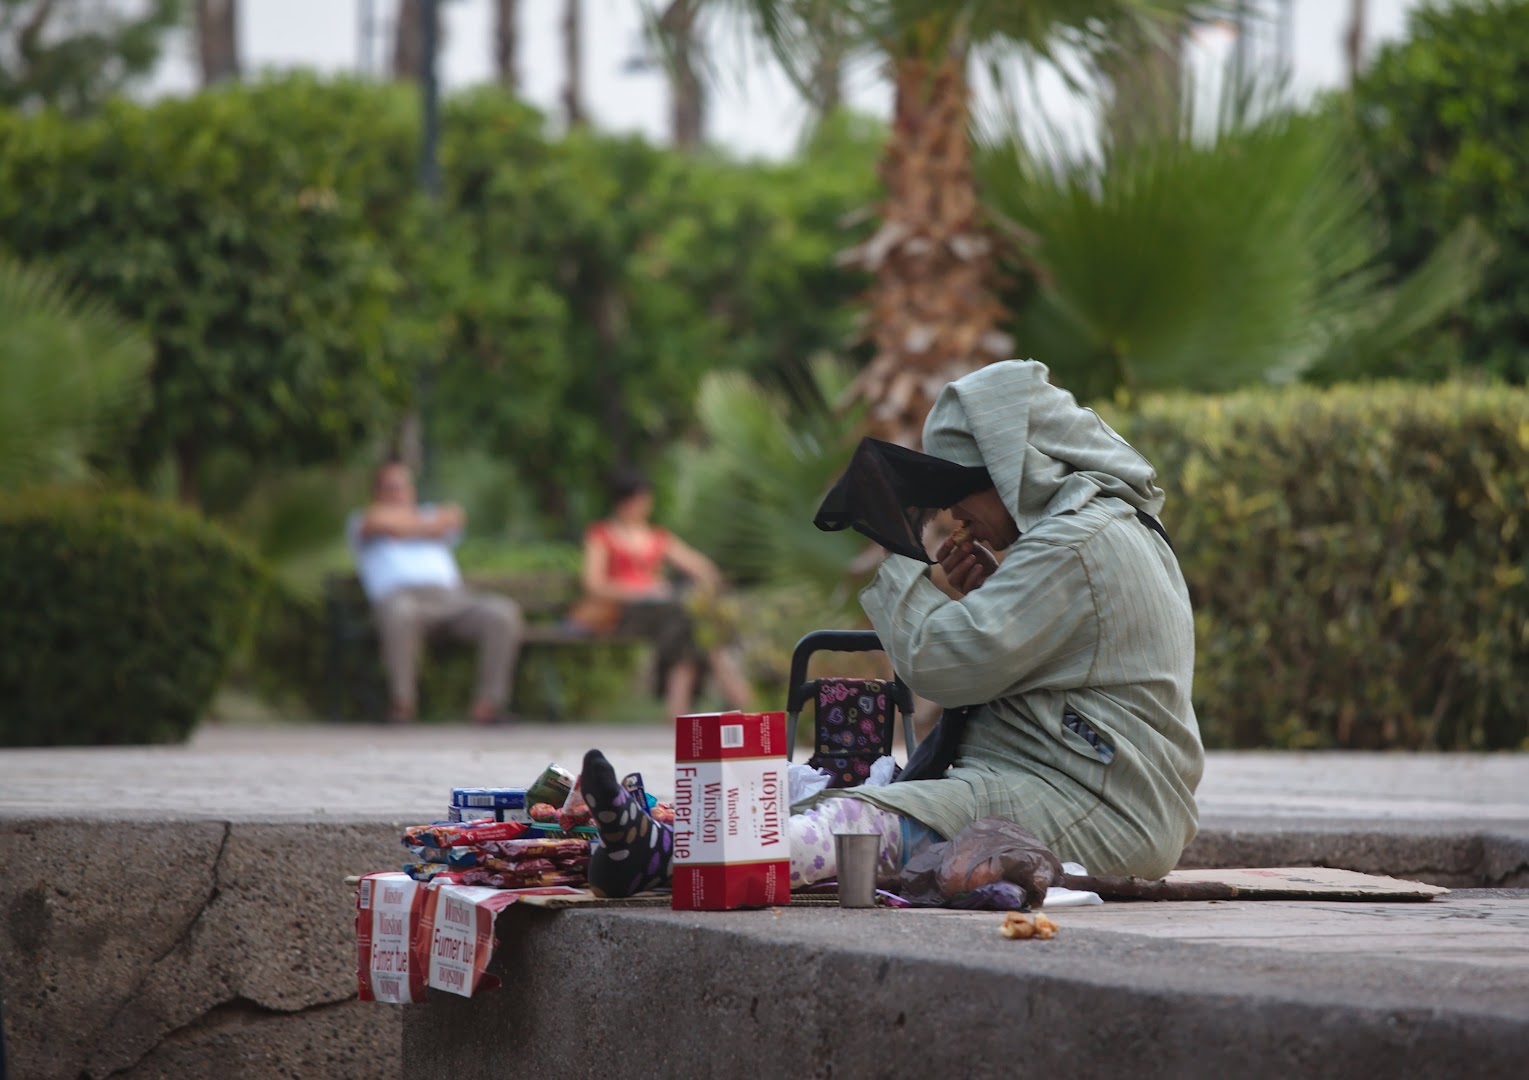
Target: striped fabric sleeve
[(1032, 624)]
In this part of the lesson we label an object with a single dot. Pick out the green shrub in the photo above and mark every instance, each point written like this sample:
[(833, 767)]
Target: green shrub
[(1441, 119), (556, 311), (121, 616), (238, 227), (1358, 558)]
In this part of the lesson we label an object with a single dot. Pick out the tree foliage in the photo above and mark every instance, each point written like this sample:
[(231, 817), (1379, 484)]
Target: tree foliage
[(558, 309), (240, 228), (1444, 121), (599, 279), (74, 54)]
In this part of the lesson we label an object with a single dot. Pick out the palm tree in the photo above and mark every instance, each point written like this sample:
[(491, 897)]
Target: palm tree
[(409, 39), (677, 31), (217, 37), (506, 41), (1353, 39), (932, 312), (573, 64)]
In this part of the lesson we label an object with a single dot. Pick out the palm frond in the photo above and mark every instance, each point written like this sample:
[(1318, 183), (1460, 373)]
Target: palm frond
[(72, 379), (747, 493), (1382, 326), (1185, 261), (1040, 29)]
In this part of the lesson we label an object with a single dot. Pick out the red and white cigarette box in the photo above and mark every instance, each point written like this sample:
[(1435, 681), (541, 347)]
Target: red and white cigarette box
[(459, 922), (387, 918), (732, 846)]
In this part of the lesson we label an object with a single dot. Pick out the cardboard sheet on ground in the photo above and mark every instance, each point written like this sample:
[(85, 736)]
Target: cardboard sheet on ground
[(1310, 883)]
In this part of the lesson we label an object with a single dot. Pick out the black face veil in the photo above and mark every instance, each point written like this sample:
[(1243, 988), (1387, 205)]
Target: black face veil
[(887, 492)]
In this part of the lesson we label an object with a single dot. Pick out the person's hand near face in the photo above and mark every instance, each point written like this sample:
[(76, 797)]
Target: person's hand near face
[(966, 563), (983, 524)]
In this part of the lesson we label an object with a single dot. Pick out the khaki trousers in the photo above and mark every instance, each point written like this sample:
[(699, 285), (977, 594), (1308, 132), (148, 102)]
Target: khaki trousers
[(406, 616)]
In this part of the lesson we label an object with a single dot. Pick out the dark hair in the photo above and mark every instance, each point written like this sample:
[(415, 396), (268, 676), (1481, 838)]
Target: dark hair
[(393, 462), (625, 483)]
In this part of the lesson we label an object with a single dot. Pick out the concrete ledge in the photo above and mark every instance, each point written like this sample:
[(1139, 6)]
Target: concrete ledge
[(132, 946), (1440, 855), (831, 994), (173, 941), (149, 949)]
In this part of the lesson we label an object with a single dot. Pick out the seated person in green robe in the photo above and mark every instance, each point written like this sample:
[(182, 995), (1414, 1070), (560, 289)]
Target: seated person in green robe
[(1065, 669)]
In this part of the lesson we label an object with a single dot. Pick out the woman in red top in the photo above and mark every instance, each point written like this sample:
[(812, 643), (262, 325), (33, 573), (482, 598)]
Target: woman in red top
[(627, 590)]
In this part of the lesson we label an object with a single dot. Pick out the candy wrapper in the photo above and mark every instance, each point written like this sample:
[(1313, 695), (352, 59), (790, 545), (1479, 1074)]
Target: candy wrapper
[(485, 813), (551, 787), (575, 811), (497, 804), (446, 834)]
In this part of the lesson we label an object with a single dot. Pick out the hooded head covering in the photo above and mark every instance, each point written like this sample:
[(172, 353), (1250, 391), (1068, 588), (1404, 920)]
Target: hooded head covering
[(1046, 454), (1003, 426)]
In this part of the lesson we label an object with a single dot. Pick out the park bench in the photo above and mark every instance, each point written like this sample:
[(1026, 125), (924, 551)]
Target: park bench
[(544, 598)]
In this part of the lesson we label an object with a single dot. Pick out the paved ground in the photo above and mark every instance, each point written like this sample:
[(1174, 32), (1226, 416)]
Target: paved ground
[(386, 774)]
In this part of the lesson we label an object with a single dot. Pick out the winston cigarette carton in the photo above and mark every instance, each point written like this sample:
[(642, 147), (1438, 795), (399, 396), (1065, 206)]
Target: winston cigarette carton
[(732, 848)]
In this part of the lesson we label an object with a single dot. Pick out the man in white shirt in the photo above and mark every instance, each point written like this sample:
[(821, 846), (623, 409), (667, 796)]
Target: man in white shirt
[(403, 557)]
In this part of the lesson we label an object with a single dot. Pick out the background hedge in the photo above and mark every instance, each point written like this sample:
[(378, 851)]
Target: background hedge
[(121, 616), (1359, 560)]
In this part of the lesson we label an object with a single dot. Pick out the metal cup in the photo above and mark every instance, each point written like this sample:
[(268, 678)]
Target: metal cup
[(856, 854)]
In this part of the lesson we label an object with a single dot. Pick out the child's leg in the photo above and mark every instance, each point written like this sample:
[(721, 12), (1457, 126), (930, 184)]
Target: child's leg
[(812, 838)]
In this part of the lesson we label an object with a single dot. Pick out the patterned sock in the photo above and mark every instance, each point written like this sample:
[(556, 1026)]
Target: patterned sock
[(635, 851)]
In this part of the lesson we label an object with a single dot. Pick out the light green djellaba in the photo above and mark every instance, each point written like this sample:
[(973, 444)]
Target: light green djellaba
[(1087, 612)]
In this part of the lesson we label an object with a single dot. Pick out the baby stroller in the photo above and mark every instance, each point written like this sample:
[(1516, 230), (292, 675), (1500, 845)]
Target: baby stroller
[(854, 722)]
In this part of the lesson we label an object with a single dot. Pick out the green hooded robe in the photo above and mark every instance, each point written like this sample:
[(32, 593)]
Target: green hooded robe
[(1087, 612)]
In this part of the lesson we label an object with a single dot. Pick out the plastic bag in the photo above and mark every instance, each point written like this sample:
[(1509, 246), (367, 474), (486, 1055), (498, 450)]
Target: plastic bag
[(803, 781), (990, 863)]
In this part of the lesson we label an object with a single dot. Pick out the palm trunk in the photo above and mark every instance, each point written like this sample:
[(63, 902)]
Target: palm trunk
[(506, 39), (829, 47), (687, 96), (827, 81), (933, 312), (217, 39), (573, 64), (409, 40), (1353, 40)]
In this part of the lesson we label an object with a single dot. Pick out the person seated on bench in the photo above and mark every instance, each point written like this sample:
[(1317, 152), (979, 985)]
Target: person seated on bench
[(626, 592), (405, 563), (1065, 670)]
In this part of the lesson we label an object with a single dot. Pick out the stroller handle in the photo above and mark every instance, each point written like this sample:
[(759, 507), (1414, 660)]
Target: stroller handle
[(801, 691)]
